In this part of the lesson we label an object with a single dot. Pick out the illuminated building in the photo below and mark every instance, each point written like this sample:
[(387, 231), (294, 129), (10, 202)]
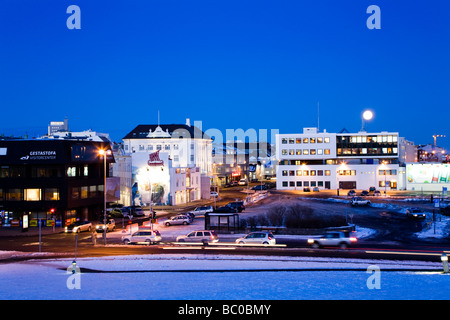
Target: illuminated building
[(338, 160), (172, 162), (46, 179)]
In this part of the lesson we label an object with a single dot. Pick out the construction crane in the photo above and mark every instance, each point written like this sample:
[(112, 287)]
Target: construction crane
[(437, 136)]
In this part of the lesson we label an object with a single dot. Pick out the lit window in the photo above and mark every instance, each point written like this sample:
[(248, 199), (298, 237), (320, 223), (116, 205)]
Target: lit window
[(32, 194), (51, 194)]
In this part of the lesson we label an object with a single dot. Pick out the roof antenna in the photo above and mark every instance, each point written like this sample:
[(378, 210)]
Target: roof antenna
[(158, 118)]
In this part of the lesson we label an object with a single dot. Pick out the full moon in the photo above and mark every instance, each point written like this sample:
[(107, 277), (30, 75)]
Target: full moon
[(367, 115)]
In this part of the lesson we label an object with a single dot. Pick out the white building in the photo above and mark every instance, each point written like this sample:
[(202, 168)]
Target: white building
[(187, 156), (337, 160)]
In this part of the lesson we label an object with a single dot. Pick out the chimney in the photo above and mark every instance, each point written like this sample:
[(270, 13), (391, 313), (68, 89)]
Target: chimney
[(188, 122)]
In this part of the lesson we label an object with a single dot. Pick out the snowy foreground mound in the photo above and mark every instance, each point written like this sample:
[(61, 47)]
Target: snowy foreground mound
[(207, 277)]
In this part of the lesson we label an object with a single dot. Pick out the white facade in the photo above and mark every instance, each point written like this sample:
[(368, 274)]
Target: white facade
[(337, 160), (187, 157)]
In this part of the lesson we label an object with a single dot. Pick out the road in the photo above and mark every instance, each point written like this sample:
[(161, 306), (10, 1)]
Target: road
[(394, 237)]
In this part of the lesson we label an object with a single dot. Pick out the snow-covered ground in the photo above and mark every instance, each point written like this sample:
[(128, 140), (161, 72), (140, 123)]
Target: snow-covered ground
[(210, 277)]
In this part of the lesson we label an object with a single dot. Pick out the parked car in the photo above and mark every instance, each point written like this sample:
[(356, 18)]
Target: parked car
[(202, 210), (225, 209), (377, 193), (136, 211), (243, 182), (120, 213), (315, 189), (181, 219), (190, 215), (143, 236), (415, 213), (265, 238), (259, 187), (79, 226), (364, 193), (204, 236), (351, 193), (109, 226), (306, 189), (358, 201), (334, 239), (213, 194), (372, 189), (239, 205)]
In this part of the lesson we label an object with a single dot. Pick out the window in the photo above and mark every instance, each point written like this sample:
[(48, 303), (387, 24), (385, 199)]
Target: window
[(192, 158), (305, 140), (141, 147), (313, 172), (285, 183), (299, 172), (312, 151), (327, 151), (86, 171), (291, 183), (158, 147), (299, 183), (291, 140), (93, 191), (4, 172), (320, 151), (326, 140), (284, 173), (32, 194), (51, 194), (312, 140), (298, 140), (305, 172), (84, 192), (284, 152), (327, 172), (320, 172), (291, 152), (291, 172), (305, 151), (284, 141), (319, 140), (175, 158), (167, 147), (298, 152), (150, 147), (14, 195), (72, 171), (75, 193)]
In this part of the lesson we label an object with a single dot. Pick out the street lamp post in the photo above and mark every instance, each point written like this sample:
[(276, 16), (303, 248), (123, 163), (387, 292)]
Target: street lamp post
[(103, 153)]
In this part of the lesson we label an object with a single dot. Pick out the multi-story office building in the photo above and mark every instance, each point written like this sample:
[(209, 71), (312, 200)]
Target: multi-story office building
[(60, 180), (337, 160)]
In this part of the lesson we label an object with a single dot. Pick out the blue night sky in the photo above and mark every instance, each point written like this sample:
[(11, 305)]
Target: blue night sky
[(230, 64)]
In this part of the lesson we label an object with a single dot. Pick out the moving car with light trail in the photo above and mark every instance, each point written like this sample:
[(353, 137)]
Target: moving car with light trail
[(333, 239)]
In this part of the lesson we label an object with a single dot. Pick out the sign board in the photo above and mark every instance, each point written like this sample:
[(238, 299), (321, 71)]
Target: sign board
[(436, 203), (444, 191)]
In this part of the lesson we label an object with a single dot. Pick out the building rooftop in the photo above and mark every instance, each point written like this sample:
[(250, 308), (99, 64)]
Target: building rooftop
[(155, 131)]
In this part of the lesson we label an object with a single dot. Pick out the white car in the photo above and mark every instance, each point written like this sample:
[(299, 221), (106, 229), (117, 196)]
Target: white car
[(334, 239), (79, 226), (199, 236), (242, 182), (202, 210), (110, 226), (142, 236), (359, 201), (213, 194), (181, 219), (265, 238)]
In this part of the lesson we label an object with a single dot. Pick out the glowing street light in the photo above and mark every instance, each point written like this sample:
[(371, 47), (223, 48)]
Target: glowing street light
[(103, 153)]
